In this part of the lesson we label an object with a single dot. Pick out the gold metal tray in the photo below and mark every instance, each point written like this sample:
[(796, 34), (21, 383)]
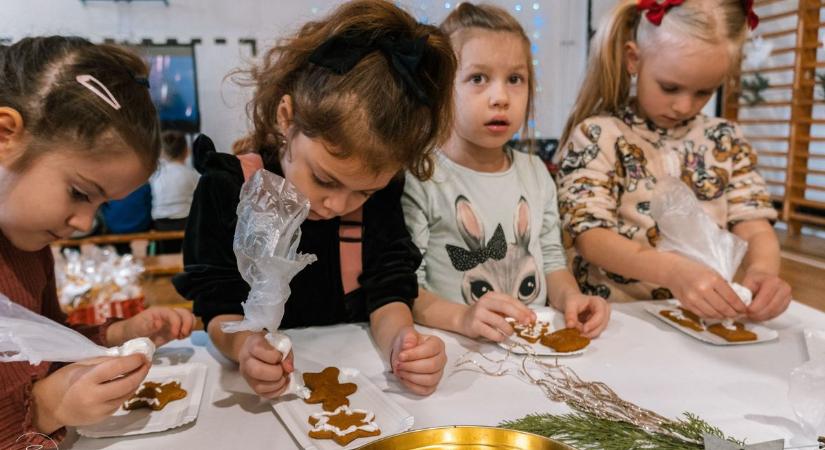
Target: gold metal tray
[(465, 438)]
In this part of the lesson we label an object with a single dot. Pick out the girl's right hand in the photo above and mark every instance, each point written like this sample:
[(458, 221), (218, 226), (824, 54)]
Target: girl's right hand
[(263, 367), (485, 318), (703, 291), (86, 392)]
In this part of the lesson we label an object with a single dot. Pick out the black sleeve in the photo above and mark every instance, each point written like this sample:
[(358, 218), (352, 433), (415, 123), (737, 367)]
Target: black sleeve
[(210, 274), (390, 257)]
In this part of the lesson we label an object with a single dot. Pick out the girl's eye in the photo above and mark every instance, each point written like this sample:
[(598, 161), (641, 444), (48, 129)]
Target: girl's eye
[(79, 195), (670, 89), (477, 79), (516, 79), (322, 183)]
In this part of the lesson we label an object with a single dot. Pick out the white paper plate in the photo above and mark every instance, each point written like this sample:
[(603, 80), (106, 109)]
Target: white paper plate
[(389, 416), (763, 333), (815, 343), (556, 321), (192, 377)]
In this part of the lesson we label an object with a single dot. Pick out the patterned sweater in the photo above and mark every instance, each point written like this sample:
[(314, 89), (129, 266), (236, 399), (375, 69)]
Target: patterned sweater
[(610, 164)]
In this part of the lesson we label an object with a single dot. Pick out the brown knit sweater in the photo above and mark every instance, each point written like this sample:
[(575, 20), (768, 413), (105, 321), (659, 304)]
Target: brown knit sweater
[(27, 278)]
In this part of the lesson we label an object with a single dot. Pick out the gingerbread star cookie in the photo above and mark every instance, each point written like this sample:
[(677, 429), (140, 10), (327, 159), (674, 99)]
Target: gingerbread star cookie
[(565, 340), (155, 396), (343, 425), (327, 390), (684, 318)]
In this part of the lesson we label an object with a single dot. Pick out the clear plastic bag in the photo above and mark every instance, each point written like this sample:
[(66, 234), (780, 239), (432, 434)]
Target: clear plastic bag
[(270, 214), (687, 229), (27, 336), (806, 394)]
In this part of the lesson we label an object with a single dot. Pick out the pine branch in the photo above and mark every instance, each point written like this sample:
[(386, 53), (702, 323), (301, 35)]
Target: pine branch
[(585, 431), (752, 89)]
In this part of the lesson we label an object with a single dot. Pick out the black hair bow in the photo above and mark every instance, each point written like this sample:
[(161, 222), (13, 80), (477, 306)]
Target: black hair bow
[(342, 52)]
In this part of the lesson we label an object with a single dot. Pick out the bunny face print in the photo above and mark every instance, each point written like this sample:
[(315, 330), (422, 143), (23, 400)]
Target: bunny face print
[(494, 265)]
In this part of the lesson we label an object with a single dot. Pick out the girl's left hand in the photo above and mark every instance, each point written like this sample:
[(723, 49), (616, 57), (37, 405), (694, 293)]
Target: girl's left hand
[(587, 313), (418, 360), (160, 324), (771, 295)]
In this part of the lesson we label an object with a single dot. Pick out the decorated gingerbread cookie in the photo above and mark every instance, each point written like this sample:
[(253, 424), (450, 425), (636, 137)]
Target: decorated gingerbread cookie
[(530, 333), (343, 425), (732, 332), (566, 340), (684, 318), (155, 395), (327, 390)]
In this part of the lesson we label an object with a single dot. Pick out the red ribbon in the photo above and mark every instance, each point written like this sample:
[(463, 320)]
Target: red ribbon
[(656, 11), (753, 19)]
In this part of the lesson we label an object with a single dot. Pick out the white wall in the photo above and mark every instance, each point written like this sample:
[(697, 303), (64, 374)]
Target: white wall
[(558, 28)]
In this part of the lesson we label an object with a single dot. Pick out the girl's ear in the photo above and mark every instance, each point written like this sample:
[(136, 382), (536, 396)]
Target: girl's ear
[(284, 114), (631, 57), (11, 132)]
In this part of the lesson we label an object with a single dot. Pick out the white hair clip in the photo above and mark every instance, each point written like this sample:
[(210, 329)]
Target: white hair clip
[(93, 84)]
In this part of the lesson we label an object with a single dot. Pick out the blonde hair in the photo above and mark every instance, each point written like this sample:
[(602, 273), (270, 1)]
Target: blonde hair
[(492, 18), (606, 86)]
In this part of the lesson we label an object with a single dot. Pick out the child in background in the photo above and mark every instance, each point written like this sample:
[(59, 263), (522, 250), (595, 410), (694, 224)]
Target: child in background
[(77, 128), (487, 221), (321, 120), (616, 146), (173, 185)]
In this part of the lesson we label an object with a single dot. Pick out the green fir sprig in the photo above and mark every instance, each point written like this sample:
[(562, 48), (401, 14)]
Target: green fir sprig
[(752, 89), (586, 431)]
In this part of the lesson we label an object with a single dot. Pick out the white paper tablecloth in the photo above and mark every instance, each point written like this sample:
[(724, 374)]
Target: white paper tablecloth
[(740, 389)]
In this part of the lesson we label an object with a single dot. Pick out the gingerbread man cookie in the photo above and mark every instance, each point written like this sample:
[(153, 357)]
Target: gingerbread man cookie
[(530, 333), (327, 390), (343, 425), (684, 318), (155, 395)]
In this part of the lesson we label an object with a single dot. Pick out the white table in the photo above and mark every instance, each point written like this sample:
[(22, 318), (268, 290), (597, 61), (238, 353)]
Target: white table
[(741, 389)]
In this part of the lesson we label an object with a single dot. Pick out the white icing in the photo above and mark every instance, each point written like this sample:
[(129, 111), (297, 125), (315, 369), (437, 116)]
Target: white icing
[(281, 342), (138, 345), (322, 423), (534, 330), (744, 293), (297, 389), (678, 314), (729, 324), (149, 400)]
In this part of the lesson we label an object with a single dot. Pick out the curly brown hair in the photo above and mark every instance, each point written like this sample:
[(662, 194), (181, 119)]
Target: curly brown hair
[(367, 112)]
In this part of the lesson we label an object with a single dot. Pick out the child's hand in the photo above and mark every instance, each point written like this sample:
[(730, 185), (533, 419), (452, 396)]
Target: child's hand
[(86, 392), (587, 313), (703, 291), (160, 324), (486, 317), (418, 360), (263, 367), (771, 295)]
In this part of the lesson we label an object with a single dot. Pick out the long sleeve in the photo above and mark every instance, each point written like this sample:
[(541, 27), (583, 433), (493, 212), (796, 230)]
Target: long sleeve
[(552, 249), (746, 193), (416, 207), (587, 198), (390, 257)]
